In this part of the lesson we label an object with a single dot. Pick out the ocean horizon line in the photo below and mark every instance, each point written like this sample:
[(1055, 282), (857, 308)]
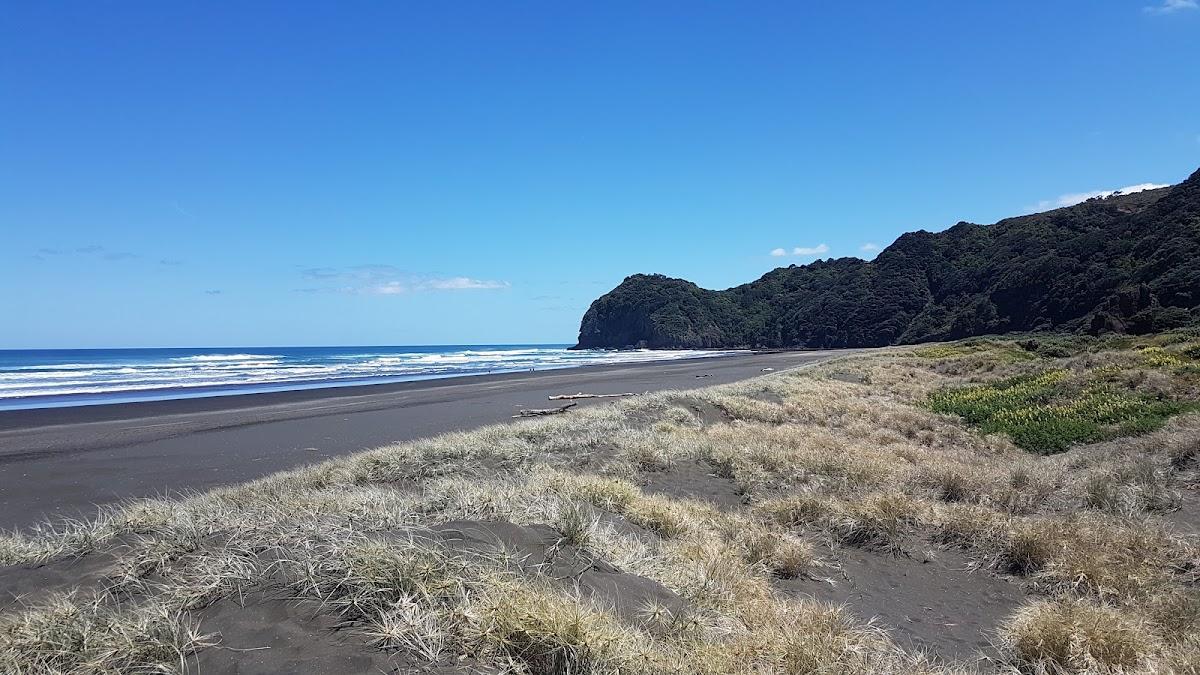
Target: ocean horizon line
[(313, 346)]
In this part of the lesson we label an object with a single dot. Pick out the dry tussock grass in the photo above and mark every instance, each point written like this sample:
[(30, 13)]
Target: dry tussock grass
[(81, 633), (1078, 636), (852, 460)]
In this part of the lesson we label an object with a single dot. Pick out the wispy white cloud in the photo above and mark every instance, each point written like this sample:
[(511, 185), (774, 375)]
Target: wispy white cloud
[(359, 273), (89, 250), (869, 247), (811, 250), (389, 288), (463, 284), (398, 287), (803, 251), (388, 280), (319, 273), (183, 212), (1171, 6), (1073, 198)]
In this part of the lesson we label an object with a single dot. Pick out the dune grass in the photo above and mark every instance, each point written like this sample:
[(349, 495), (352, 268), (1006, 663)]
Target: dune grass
[(926, 447)]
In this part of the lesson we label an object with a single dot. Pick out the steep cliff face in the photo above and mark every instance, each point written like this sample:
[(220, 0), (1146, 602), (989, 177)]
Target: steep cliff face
[(1127, 263)]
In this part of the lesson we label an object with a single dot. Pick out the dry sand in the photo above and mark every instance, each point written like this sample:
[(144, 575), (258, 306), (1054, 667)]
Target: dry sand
[(65, 461)]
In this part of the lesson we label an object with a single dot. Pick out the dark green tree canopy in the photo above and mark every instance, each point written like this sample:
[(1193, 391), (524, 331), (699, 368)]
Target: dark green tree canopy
[(1126, 263)]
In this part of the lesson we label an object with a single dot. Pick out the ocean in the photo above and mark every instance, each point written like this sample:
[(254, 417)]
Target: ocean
[(40, 378)]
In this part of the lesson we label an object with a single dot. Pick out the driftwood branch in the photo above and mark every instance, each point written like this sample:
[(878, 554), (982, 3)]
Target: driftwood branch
[(538, 412), (572, 397)]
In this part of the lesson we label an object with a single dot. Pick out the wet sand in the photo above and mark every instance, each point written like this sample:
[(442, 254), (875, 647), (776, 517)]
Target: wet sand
[(66, 461)]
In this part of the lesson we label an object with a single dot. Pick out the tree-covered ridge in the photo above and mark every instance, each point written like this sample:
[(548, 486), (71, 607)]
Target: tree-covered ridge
[(1126, 263)]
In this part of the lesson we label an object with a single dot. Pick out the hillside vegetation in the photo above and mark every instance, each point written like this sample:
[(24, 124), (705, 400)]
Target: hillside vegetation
[(884, 513), (1126, 264)]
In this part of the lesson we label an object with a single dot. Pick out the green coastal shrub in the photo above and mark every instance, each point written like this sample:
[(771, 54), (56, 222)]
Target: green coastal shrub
[(1158, 357), (1002, 352), (1042, 414)]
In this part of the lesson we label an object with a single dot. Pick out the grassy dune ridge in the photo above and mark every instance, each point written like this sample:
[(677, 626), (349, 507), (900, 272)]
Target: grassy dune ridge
[(590, 542)]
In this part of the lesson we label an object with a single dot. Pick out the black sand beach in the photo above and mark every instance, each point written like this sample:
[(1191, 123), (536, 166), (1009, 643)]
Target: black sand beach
[(66, 461)]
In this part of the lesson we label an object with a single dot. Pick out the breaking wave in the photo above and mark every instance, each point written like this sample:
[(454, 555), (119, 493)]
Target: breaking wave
[(38, 378)]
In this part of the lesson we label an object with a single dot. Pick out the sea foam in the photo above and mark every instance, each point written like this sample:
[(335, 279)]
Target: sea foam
[(38, 378)]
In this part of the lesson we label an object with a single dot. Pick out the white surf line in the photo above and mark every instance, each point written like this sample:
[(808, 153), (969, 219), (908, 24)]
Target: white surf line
[(480, 385)]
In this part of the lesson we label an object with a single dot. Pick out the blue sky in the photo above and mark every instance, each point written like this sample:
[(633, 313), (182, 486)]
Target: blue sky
[(299, 173)]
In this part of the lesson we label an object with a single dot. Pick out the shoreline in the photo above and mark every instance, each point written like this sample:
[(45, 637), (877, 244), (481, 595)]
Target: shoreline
[(65, 461), (343, 367), (55, 415)]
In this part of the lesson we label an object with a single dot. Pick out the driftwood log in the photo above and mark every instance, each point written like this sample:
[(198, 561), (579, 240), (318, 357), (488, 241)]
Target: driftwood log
[(538, 412), (572, 397)]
